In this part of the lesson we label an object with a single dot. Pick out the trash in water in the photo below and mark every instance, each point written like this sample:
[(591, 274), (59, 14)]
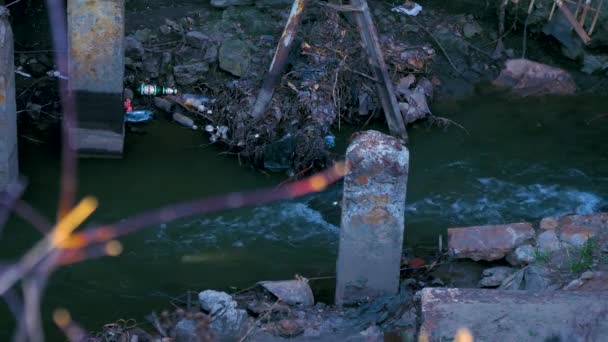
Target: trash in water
[(24, 74), (218, 132), (128, 105), (154, 90), (410, 8), (56, 74), (139, 115), (196, 102), (330, 141), (184, 120)]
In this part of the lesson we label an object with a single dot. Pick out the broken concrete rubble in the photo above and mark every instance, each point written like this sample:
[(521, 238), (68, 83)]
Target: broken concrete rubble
[(292, 292), (488, 242), (527, 316), (226, 319)]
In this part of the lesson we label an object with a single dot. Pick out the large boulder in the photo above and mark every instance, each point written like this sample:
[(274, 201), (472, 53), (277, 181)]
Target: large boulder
[(527, 78)]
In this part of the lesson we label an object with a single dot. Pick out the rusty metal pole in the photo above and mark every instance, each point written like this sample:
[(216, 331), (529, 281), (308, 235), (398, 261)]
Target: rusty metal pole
[(280, 59), (96, 71), (384, 86), (570, 17), (8, 116)]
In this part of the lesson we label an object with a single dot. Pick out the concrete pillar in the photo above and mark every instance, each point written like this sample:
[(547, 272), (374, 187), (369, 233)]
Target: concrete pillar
[(96, 71), (8, 118), (373, 205)]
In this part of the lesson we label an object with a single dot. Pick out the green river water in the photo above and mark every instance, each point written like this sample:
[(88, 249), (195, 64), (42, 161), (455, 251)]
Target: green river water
[(518, 160), (521, 160)]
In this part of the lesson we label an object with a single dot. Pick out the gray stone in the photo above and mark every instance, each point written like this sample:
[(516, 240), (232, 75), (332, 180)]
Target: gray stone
[(279, 155), (133, 48), (530, 278), (495, 315), (227, 3), (234, 57), (594, 64), (587, 275), (197, 39), (185, 331), (522, 255), (290, 291), (163, 104), (471, 29), (189, 73), (371, 236), (495, 276), (8, 115), (273, 3), (226, 319), (151, 65), (548, 242), (211, 54), (143, 35)]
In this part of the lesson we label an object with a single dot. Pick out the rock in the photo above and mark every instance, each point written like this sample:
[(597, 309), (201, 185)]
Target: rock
[(548, 242), (234, 57), (418, 107), (214, 301), (522, 255), (163, 104), (185, 331), (527, 78), (495, 276), (594, 64), (228, 321), (190, 73), (471, 29), (575, 236), (487, 242), (288, 328), (312, 333), (143, 35), (405, 83), (293, 292), (211, 54), (537, 278), (227, 3), (197, 39), (574, 285), (587, 275), (548, 223), (273, 3), (165, 62), (151, 65), (133, 47), (279, 155)]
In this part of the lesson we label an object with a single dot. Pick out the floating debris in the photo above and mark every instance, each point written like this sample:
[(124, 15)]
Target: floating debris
[(139, 115)]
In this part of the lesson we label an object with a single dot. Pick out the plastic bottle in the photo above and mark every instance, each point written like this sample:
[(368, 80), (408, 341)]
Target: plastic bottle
[(154, 90), (139, 115), (196, 102), (184, 120)]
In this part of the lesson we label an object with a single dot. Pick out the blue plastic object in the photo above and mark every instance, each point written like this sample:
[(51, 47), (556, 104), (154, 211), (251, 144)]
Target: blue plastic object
[(330, 141), (139, 115)]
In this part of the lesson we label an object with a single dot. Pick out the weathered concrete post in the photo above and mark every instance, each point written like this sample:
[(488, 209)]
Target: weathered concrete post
[(8, 118), (371, 236), (96, 71)]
